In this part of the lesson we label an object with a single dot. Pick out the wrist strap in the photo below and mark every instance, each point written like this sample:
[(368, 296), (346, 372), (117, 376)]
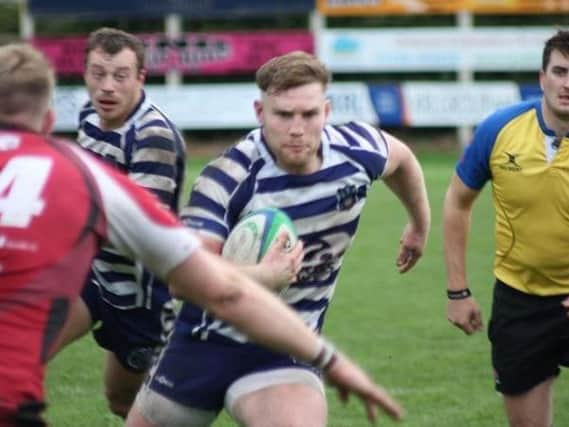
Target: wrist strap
[(326, 356), (462, 294)]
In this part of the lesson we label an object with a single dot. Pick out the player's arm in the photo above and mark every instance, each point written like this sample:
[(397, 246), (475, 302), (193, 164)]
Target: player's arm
[(459, 199), (404, 177), (153, 163), (195, 274), (215, 284), (276, 270)]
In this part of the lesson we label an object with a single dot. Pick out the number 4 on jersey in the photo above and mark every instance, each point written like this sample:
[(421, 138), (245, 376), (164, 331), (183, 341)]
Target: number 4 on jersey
[(21, 183)]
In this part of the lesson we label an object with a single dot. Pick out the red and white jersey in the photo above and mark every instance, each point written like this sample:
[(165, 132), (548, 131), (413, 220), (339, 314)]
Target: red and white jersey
[(57, 205)]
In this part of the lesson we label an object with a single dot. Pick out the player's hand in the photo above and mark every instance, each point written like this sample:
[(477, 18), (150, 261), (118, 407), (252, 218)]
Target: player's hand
[(282, 262), (348, 379), (465, 314), (412, 244)]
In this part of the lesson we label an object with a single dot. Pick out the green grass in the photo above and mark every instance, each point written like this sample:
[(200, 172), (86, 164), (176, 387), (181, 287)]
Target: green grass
[(394, 325)]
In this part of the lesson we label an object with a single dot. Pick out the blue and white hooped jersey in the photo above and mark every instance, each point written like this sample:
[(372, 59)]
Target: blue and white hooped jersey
[(325, 207), (150, 149)]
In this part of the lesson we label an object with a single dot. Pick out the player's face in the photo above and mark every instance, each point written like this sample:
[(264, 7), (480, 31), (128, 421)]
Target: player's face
[(114, 83), (292, 123), (554, 82)]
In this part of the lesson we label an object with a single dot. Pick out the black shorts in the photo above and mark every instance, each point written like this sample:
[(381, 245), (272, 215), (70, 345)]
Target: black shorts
[(529, 336), (27, 414)]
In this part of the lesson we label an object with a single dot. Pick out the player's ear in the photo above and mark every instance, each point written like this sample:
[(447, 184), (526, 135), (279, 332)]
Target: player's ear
[(48, 122), (541, 78), (142, 75), (327, 109), (258, 105)]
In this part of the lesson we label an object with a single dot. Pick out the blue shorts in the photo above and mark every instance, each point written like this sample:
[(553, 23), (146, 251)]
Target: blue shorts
[(134, 335), (197, 373)]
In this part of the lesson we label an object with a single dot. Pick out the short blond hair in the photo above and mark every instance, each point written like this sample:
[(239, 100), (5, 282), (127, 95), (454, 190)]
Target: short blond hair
[(291, 70), (27, 80)]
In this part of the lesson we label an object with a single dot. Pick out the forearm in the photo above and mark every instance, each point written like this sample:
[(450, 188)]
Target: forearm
[(407, 182), (222, 290), (259, 274), (456, 225)]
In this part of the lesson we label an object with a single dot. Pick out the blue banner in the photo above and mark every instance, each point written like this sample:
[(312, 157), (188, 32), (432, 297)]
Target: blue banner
[(388, 104), (188, 8)]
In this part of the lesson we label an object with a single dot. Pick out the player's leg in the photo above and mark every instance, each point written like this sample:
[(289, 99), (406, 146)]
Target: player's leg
[(532, 408), (133, 337), (292, 397), (154, 410), (527, 349), (186, 386), (121, 385)]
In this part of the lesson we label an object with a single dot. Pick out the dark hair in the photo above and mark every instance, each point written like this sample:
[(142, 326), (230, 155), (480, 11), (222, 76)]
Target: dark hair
[(291, 70), (112, 41), (560, 42)]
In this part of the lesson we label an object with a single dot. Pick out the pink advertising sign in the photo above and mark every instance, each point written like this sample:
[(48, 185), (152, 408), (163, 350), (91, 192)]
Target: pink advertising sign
[(193, 53)]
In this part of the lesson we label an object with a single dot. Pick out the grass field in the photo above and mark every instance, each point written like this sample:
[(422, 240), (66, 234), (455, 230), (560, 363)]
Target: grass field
[(394, 325)]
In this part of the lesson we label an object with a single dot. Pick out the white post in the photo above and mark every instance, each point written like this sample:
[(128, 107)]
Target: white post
[(317, 23), (173, 26), (465, 75), (26, 21)]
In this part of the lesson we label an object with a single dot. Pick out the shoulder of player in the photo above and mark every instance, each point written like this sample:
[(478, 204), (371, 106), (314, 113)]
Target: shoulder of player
[(502, 116), (492, 126), (355, 135), (239, 158)]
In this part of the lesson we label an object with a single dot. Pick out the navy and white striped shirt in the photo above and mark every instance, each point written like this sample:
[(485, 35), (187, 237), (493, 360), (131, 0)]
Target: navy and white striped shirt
[(151, 151), (325, 207)]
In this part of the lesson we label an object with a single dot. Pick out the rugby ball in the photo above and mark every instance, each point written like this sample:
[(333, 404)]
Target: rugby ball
[(254, 234)]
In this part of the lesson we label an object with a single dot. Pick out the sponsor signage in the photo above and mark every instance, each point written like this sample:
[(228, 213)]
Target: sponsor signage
[(385, 7), (230, 105), (454, 104), (193, 53), (406, 7), (433, 49)]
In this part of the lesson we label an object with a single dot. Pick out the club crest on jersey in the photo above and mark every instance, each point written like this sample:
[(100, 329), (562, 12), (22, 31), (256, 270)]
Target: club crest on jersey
[(511, 162), (347, 197)]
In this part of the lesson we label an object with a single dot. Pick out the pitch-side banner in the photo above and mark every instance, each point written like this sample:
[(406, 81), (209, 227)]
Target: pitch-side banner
[(407, 7), (454, 104), (193, 53), (230, 106), (386, 7), (217, 106), (433, 49), (192, 9)]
